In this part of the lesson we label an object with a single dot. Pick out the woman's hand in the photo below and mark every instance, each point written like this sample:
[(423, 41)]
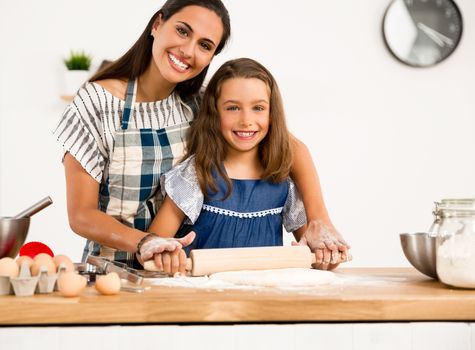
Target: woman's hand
[(327, 243)]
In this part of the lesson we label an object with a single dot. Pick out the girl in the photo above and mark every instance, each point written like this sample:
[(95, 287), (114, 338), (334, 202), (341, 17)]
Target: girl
[(233, 186)]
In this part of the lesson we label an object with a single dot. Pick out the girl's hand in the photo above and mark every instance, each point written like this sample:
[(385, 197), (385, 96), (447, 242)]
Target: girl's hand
[(327, 243), (157, 245), (171, 263)]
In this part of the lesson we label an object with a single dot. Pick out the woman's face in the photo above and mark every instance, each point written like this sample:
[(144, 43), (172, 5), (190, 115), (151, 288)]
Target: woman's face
[(185, 44)]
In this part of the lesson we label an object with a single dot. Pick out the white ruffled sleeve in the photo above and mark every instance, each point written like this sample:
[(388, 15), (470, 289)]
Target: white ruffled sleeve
[(294, 215), (181, 185)]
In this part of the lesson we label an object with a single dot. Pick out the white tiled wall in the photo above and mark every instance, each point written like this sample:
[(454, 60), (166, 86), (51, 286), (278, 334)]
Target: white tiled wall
[(440, 336), (395, 336), (323, 336), (338, 336), (472, 325)]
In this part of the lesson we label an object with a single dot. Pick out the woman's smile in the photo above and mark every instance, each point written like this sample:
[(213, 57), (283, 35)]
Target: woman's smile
[(178, 63)]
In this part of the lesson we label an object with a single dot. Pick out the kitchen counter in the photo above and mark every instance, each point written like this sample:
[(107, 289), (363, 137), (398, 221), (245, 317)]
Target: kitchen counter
[(366, 294)]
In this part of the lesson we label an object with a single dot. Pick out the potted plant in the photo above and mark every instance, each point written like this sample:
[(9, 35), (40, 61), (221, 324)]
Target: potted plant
[(77, 65)]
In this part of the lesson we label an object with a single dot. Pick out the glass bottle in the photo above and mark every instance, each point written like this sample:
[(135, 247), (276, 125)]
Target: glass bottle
[(455, 226)]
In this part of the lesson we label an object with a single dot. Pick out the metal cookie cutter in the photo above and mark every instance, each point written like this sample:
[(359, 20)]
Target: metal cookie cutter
[(98, 265), (104, 266)]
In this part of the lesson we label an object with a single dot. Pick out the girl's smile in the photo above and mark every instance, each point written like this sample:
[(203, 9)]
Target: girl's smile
[(245, 135)]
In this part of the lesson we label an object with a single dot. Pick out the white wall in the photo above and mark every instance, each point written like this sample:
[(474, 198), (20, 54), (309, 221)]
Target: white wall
[(388, 139)]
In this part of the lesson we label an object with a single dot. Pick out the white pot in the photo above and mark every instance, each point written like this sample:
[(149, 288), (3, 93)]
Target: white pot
[(73, 80)]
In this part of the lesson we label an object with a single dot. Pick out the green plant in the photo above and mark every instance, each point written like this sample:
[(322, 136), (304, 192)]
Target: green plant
[(78, 60)]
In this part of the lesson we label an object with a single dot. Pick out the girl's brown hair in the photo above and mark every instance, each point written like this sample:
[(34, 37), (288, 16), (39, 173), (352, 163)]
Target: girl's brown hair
[(135, 61), (206, 142)]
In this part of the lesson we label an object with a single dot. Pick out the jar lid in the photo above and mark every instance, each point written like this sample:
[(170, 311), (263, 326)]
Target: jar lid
[(460, 206)]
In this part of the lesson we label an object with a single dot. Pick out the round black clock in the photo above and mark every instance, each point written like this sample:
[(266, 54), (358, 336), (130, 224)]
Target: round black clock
[(421, 33)]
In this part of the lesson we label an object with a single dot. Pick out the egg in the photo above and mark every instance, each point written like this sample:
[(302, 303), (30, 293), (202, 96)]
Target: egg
[(40, 260), (8, 267), (43, 257), (108, 284), (70, 284), (63, 259), (24, 264), (22, 258)]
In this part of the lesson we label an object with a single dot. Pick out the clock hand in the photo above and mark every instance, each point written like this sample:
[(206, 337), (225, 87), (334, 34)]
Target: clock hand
[(431, 35), (439, 38)]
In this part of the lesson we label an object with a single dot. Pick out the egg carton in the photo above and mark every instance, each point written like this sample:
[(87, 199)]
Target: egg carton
[(27, 285)]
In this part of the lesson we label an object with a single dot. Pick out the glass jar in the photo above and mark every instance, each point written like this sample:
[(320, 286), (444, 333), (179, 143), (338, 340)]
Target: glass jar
[(455, 227)]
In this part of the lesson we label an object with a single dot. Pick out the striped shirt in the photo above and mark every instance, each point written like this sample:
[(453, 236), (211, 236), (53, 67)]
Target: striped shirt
[(88, 125)]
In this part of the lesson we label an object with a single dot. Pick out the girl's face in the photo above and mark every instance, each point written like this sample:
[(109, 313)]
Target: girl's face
[(244, 111), (185, 44)]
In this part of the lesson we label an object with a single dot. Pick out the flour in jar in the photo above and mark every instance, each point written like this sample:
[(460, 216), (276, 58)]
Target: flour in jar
[(456, 260)]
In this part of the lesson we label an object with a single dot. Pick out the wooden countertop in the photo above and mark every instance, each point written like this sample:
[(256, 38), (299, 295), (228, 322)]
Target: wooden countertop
[(367, 294)]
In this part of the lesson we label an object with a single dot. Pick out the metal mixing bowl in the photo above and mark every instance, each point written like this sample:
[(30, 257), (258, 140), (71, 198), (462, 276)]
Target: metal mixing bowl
[(12, 235), (420, 249)]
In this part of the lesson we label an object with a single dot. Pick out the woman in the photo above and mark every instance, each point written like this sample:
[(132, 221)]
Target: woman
[(127, 126)]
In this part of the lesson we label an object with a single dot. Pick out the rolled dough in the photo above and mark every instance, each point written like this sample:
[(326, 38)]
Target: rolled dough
[(294, 277)]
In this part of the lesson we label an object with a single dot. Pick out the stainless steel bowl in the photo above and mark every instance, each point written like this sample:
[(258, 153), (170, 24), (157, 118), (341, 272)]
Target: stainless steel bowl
[(12, 235), (420, 249)]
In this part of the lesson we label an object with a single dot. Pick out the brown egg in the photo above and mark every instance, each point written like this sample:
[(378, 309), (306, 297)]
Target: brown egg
[(70, 284), (108, 284), (24, 258), (8, 267), (40, 260), (43, 257), (63, 259)]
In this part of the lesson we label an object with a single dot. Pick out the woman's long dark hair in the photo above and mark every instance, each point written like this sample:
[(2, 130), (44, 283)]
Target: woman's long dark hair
[(135, 61)]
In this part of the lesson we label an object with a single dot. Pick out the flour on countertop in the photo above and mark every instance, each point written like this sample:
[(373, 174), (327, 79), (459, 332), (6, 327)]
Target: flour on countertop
[(284, 278), (291, 278), (296, 283)]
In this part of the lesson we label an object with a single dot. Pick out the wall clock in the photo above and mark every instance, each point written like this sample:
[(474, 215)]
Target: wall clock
[(421, 33)]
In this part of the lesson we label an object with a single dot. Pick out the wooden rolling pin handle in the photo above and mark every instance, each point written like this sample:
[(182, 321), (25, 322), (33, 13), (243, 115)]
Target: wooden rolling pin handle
[(150, 265)]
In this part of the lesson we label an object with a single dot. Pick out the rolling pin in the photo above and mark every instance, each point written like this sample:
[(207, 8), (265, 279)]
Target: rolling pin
[(208, 261)]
